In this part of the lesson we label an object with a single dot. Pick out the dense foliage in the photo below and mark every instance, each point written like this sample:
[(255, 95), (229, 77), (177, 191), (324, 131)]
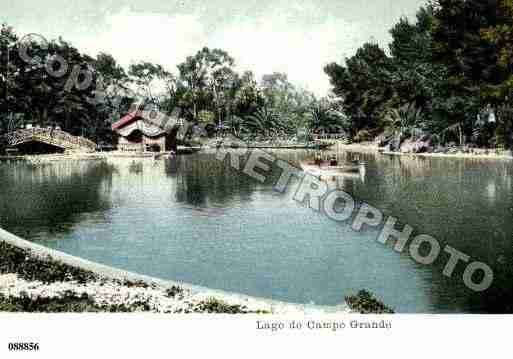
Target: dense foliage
[(55, 84), (365, 303), (453, 65), (450, 72), (31, 268)]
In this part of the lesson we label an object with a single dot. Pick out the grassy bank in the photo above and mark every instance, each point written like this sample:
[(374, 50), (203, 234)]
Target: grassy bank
[(32, 284)]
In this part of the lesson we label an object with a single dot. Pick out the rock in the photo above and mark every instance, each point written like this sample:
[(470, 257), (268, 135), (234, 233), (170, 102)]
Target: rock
[(416, 146), (407, 146)]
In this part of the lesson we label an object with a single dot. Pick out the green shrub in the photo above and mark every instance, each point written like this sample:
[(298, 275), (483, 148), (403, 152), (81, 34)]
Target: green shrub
[(213, 305), (68, 303), (365, 303), (135, 284), (31, 268), (173, 291)]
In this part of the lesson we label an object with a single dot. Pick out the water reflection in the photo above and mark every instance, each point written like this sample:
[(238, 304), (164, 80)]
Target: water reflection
[(196, 219), (51, 198), (464, 203), (204, 181)]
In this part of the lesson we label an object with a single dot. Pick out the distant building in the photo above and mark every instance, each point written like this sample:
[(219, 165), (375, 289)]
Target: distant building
[(146, 131)]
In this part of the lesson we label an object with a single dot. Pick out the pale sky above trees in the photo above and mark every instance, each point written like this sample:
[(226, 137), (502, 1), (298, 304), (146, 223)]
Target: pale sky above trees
[(297, 37)]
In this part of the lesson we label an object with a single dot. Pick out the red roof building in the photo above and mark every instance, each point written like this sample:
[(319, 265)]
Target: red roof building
[(142, 131)]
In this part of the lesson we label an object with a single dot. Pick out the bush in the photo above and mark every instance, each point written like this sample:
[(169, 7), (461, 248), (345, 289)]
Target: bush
[(213, 305), (31, 268), (174, 291), (365, 303), (135, 284), (68, 303)]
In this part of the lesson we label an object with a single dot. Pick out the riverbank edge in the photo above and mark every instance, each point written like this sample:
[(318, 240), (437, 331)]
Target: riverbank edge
[(373, 148), (91, 156), (366, 147), (45, 159), (105, 272)]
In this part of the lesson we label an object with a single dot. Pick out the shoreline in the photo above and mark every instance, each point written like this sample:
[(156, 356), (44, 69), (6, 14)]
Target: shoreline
[(451, 155), (90, 156), (373, 148), (366, 147), (40, 279)]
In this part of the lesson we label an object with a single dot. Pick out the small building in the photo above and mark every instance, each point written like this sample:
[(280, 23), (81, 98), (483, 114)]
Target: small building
[(143, 131)]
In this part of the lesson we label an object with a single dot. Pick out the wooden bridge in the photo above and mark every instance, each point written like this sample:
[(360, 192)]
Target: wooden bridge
[(50, 136)]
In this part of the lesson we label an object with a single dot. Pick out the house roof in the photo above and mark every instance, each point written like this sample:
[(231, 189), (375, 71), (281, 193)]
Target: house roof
[(125, 120), (158, 119)]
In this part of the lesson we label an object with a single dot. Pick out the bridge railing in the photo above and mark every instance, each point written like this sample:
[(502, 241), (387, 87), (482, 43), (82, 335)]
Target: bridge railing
[(49, 135)]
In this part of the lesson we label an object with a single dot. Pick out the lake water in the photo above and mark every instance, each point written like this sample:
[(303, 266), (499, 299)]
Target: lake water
[(197, 220)]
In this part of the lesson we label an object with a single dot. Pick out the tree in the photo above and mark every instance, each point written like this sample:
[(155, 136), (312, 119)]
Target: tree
[(150, 79), (8, 41), (206, 78), (453, 61), (112, 96), (56, 85), (416, 77), (263, 122), (499, 33), (474, 74), (404, 120), (364, 84), (326, 115), (248, 97), (289, 104)]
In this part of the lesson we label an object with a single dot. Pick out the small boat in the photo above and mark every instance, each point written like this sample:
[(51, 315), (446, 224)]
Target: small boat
[(331, 171), (186, 150)]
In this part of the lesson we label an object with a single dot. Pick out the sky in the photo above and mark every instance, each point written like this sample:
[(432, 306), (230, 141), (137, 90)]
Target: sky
[(298, 37)]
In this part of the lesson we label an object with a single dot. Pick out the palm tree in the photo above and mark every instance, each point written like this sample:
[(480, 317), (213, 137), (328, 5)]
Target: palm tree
[(235, 124), (324, 115), (264, 122), (405, 119)]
